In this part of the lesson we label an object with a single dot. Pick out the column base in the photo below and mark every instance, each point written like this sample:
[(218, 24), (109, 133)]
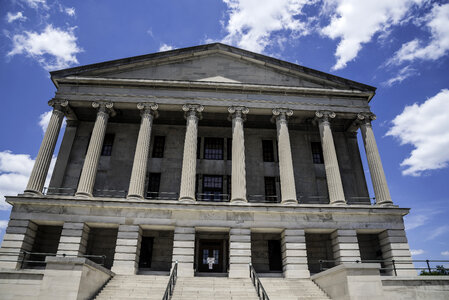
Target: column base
[(83, 195), (289, 202), (385, 203), (187, 199), (338, 202), (33, 193), (134, 197), (239, 201)]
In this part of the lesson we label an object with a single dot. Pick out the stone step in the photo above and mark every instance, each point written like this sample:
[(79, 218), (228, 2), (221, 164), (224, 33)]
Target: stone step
[(292, 289)]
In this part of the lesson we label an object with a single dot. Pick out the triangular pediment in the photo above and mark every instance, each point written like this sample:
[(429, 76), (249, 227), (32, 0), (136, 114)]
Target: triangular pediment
[(213, 63)]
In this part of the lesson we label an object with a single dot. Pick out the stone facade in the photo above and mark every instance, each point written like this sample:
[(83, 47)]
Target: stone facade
[(277, 141)]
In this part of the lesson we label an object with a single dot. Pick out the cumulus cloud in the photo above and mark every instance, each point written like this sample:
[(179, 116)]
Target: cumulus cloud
[(445, 253), (18, 16), (425, 127), (36, 3), (417, 251), (44, 119), (252, 23), (53, 48), (15, 170), (403, 74), (165, 47), (355, 22), (438, 46)]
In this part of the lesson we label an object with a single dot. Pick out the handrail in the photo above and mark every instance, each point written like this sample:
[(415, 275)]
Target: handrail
[(171, 282), (27, 254), (261, 293)]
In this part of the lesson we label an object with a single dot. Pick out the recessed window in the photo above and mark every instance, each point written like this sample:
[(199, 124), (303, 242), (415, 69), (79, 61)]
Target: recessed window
[(154, 181), (213, 148), (270, 189), (229, 149), (267, 150), (198, 148), (317, 153), (159, 146), (108, 141), (212, 188)]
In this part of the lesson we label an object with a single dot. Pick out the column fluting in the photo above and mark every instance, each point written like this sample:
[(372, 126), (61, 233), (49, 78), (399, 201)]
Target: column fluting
[(238, 175), (334, 183), (286, 173), (138, 174), (380, 186), (42, 164), (188, 175), (89, 171)]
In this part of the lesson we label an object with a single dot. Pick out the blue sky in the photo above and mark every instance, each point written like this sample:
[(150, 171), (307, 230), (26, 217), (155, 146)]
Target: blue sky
[(400, 46)]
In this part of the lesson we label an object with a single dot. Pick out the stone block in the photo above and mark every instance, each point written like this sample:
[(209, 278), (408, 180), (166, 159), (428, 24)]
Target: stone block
[(239, 245), (240, 252), (183, 251), (190, 230), (127, 242), (126, 249), (293, 246), (240, 238), (72, 225), (293, 232), (184, 237), (293, 239), (239, 231), (129, 228), (292, 253), (183, 244), (183, 258), (240, 259), (128, 235), (125, 256)]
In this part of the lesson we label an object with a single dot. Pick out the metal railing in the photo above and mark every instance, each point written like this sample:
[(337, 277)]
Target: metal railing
[(37, 259), (171, 282), (212, 197), (389, 265), (261, 293), (162, 195), (59, 191), (263, 199)]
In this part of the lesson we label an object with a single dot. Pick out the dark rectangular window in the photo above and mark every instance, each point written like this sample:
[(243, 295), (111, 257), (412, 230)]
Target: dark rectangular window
[(267, 148), (212, 188), (270, 189), (154, 181), (317, 153), (213, 148), (198, 148), (159, 146), (228, 178), (107, 144), (229, 149)]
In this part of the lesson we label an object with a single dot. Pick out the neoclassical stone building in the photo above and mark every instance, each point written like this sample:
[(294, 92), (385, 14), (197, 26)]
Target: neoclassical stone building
[(211, 156)]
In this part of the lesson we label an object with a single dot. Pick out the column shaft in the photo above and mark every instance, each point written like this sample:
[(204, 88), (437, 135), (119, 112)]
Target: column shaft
[(138, 174), (287, 176), (238, 178), (376, 169), (334, 184), (188, 175), (45, 154), (89, 172)]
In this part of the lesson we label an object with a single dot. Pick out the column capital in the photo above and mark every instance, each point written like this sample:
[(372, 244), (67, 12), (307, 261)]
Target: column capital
[(238, 112), (59, 105), (364, 118), (281, 114), (324, 115), (104, 107), (148, 108), (192, 110)]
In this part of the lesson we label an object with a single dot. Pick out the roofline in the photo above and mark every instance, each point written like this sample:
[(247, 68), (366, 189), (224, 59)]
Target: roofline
[(208, 47)]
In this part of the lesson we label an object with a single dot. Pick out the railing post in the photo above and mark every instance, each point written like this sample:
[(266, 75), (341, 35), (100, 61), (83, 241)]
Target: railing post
[(394, 268), (428, 266)]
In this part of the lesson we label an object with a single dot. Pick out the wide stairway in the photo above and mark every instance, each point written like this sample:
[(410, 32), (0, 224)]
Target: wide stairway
[(214, 288), (292, 289), (134, 287)]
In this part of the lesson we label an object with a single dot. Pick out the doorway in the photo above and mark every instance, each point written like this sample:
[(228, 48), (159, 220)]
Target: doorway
[(146, 252), (211, 256)]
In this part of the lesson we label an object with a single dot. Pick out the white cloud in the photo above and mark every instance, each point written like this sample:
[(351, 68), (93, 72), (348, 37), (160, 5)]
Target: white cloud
[(53, 48), (3, 224), (165, 47), (437, 232), (18, 16), (425, 126), (355, 22), (438, 46), (252, 22), (15, 170), (415, 221), (36, 3), (417, 251), (44, 119), (403, 74), (445, 253), (70, 11)]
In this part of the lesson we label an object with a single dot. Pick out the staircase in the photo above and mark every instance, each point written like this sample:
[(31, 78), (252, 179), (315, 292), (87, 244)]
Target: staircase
[(292, 289), (134, 287), (214, 288)]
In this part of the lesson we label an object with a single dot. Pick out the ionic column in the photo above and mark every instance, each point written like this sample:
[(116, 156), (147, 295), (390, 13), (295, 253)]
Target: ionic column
[(44, 156), (238, 178), (286, 173), (138, 174), (188, 176), (334, 184), (376, 169), (89, 172)]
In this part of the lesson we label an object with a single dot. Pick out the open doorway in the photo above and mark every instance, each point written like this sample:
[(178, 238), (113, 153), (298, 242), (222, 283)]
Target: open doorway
[(211, 255)]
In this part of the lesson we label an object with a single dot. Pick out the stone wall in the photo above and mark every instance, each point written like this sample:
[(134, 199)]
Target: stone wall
[(162, 249), (319, 246), (102, 241), (423, 287), (259, 250)]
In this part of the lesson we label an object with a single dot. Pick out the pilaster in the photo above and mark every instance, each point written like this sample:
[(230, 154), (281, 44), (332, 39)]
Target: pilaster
[(345, 246), (127, 250), (239, 252), (73, 239), (19, 237), (294, 254), (184, 250), (394, 246)]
